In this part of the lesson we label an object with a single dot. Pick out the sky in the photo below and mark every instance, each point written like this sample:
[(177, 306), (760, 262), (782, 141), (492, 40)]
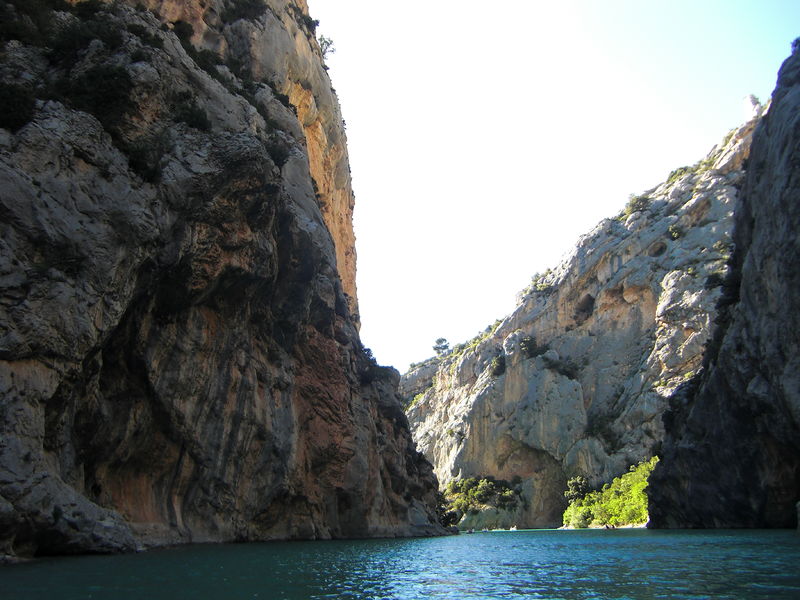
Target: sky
[(486, 138)]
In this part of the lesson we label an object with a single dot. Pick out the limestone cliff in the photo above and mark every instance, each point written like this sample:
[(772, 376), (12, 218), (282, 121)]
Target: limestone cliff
[(575, 381), (731, 457), (179, 355)]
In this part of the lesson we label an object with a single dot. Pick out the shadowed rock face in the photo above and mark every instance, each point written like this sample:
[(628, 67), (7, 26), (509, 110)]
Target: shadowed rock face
[(576, 380), (732, 454), (179, 358)]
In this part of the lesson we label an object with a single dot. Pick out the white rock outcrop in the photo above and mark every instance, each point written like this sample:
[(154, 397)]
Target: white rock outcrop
[(576, 379)]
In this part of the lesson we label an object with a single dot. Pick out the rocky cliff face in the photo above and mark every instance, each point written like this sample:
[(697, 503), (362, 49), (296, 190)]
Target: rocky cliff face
[(179, 356), (575, 381), (732, 453)]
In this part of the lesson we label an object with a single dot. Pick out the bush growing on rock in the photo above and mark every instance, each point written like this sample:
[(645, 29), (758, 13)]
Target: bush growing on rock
[(577, 488), (498, 365), (310, 23), (415, 400), (622, 502), (565, 366), (678, 173), (472, 494), (326, 46), (447, 516), (441, 346), (530, 348), (635, 204)]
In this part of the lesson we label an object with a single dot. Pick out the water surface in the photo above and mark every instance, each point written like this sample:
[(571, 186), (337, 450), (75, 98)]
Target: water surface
[(595, 564)]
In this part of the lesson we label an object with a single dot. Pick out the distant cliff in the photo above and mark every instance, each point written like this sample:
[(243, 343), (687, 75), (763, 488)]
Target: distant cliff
[(731, 457), (179, 355), (576, 380)]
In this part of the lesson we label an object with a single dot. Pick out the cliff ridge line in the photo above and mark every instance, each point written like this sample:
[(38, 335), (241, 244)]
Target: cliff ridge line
[(179, 349), (576, 380)]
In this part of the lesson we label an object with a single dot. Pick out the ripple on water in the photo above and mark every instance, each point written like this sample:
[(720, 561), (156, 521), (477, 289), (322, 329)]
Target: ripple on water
[(556, 565)]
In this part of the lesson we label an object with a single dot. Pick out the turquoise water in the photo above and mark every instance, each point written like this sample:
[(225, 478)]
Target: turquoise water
[(635, 564)]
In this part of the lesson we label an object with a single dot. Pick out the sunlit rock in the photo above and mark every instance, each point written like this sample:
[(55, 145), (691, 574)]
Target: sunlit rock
[(179, 355), (595, 349)]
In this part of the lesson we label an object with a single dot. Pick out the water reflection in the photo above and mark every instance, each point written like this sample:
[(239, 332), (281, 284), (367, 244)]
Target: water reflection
[(636, 564)]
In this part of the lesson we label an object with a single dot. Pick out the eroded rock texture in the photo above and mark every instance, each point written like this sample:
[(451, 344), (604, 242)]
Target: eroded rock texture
[(732, 453), (576, 379), (179, 356)]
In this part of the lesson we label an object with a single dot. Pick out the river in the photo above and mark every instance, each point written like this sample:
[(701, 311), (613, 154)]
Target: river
[(633, 564)]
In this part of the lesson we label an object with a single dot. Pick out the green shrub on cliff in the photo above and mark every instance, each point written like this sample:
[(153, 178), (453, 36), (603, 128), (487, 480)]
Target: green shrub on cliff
[(472, 494), (498, 366), (678, 173), (415, 400), (622, 502), (635, 204)]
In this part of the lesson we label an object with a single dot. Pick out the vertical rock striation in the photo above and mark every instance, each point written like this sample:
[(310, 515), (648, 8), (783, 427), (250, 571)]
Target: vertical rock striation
[(575, 381), (732, 453), (179, 354)]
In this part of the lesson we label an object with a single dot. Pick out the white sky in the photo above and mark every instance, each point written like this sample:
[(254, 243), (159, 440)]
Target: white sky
[(485, 138)]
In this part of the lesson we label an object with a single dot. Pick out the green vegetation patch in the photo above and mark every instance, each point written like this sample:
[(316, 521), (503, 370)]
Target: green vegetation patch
[(459, 349), (679, 173), (415, 400), (530, 348), (674, 232), (498, 366), (473, 494), (452, 354), (539, 283), (635, 204), (622, 502)]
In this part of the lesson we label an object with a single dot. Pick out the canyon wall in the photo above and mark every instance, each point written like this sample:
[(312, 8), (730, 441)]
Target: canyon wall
[(576, 380), (179, 350), (731, 457)]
